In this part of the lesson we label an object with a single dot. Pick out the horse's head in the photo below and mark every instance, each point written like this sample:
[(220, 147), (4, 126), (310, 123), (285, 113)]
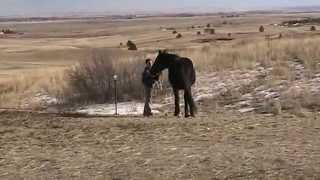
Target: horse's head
[(162, 62)]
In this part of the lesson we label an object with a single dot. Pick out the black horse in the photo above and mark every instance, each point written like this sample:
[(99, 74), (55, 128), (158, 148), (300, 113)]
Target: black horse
[(181, 76)]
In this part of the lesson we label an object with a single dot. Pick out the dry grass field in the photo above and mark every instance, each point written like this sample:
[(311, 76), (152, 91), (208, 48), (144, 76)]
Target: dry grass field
[(258, 96), (216, 146), (40, 48)]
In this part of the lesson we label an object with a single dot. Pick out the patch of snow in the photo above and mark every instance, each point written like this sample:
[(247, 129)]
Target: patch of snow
[(247, 96), (246, 110), (203, 96), (124, 108), (244, 103), (45, 99)]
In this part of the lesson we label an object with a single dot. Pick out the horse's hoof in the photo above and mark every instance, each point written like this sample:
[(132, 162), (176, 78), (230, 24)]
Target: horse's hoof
[(187, 116)]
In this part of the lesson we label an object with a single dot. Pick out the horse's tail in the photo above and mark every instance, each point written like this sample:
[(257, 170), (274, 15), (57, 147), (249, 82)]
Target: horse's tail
[(193, 74)]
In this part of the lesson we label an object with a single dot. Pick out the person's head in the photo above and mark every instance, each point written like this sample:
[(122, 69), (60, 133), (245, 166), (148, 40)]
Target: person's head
[(148, 62)]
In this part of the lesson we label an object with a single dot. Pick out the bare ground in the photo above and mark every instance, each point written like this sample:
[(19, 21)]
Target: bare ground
[(223, 145)]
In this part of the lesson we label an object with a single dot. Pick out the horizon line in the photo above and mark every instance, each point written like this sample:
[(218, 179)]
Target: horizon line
[(157, 12)]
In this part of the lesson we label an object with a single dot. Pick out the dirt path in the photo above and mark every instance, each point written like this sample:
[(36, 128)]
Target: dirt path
[(222, 146)]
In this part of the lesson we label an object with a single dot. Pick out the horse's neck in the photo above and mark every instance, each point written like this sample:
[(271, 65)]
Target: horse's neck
[(173, 61)]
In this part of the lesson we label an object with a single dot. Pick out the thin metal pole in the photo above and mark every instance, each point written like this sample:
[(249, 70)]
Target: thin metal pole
[(115, 96)]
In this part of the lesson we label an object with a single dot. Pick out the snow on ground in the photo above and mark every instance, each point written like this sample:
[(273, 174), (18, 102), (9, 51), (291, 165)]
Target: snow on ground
[(215, 84), (124, 108)]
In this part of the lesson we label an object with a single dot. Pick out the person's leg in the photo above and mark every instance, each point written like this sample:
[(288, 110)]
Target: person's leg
[(147, 109)]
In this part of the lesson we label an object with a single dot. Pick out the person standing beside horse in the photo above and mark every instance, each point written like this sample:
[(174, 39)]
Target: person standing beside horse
[(148, 81)]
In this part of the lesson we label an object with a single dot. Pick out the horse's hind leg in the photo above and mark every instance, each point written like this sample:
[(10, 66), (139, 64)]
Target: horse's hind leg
[(176, 102), (193, 108), (186, 105)]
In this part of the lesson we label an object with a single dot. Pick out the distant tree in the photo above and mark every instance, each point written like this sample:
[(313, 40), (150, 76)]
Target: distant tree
[(131, 46), (174, 32), (313, 28), (199, 33), (261, 29), (208, 25), (179, 36), (229, 34)]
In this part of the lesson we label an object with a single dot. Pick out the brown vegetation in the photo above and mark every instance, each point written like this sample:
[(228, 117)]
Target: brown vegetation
[(301, 22), (92, 80), (179, 36), (131, 46), (261, 29), (128, 67)]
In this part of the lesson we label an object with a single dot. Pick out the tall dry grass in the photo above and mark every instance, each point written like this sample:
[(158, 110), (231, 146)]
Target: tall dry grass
[(267, 53), (91, 81), (19, 90)]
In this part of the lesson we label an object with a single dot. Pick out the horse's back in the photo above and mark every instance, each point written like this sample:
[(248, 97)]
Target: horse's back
[(183, 74)]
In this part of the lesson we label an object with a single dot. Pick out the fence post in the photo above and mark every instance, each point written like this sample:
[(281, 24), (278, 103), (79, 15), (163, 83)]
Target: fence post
[(115, 78)]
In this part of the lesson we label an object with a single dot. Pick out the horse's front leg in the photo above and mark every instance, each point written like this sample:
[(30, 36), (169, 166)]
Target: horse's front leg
[(176, 102)]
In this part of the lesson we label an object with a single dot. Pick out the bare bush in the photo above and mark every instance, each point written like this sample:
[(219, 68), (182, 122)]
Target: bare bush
[(92, 81), (261, 29), (131, 46), (313, 28), (179, 36)]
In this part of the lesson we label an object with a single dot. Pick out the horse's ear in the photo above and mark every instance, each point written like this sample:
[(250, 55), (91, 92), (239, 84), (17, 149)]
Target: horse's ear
[(160, 52)]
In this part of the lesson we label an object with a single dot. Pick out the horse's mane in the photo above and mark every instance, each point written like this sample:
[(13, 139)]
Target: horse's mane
[(174, 56)]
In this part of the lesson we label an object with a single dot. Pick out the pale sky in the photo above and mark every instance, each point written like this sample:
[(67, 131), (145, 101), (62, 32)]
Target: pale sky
[(46, 7)]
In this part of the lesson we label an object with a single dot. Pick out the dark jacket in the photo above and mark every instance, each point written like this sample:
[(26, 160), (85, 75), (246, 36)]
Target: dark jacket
[(147, 78)]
